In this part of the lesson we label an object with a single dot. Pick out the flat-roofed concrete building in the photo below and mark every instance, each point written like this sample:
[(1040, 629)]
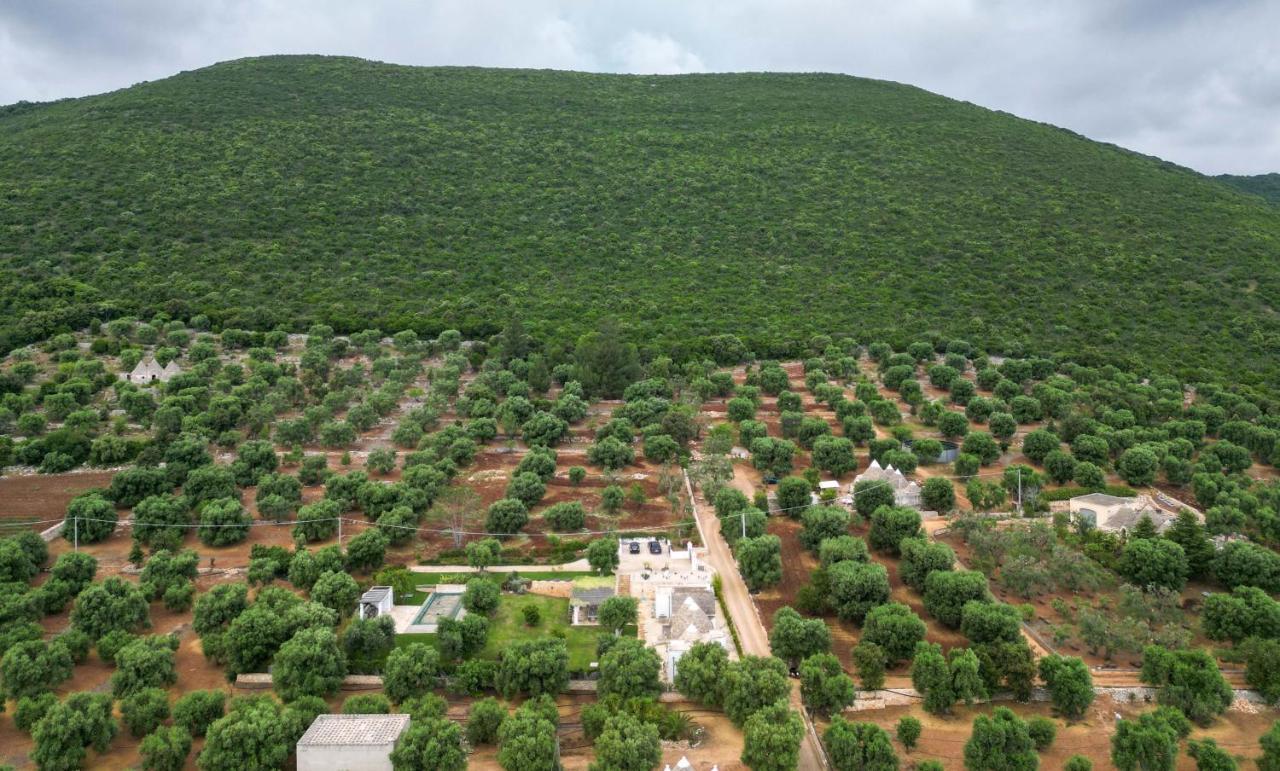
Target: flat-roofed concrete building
[(350, 742), (378, 601), (1115, 514)]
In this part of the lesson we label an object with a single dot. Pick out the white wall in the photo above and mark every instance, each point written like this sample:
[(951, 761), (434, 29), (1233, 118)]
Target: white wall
[(331, 758)]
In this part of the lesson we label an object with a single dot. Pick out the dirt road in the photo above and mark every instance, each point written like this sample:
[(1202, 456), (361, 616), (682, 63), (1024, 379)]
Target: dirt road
[(751, 633)]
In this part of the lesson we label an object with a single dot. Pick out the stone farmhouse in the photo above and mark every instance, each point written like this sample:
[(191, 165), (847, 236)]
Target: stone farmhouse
[(1116, 514), (677, 606), (905, 491), (150, 371)]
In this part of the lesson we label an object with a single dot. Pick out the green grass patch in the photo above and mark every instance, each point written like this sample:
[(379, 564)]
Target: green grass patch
[(507, 627)]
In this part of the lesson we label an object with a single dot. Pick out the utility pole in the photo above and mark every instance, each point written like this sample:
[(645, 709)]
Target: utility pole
[(75, 530), (339, 532), (743, 516), (1020, 512)]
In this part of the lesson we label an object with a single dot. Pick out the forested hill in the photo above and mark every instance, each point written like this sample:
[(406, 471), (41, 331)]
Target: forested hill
[(282, 190), (1265, 185)]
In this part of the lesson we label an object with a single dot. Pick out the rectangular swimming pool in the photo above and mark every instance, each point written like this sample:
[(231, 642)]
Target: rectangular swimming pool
[(438, 606)]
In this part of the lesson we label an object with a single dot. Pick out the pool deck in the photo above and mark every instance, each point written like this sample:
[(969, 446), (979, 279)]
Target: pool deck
[(406, 616)]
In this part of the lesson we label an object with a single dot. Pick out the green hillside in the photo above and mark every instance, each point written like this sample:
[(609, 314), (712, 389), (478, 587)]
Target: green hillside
[(1265, 185), (285, 190)]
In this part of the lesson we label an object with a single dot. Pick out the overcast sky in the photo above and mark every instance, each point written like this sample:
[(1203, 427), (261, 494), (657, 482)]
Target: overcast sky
[(1194, 81)]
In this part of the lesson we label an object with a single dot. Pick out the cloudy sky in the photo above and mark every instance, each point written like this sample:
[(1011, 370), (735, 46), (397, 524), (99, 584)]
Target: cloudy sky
[(1194, 81)]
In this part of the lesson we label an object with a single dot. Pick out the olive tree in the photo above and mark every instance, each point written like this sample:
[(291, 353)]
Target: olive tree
[(771, 738), (794, 637), (1000, 742), (533, 667), (310, 664), (629, 669), (824, 686), (627, 744), (752, 684), (602, 555), (110, 605), (431, 743), (1154, 562), (760, 561), (891, 524), (90, 518), (946, 592), (410, 671), (700, 673), (895, 629), (856, 588), (1070, 684), (616, 613), (859, 747)]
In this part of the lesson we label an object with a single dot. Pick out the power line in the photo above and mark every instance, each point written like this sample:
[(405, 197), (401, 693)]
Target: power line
[(873, 484), (31, 523), (367, 523), (876, 483)]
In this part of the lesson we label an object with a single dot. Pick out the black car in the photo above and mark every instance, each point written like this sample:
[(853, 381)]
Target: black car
[(655, 547), (634, 547)]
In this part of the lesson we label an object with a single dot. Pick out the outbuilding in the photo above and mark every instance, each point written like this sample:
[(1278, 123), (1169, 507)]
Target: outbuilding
[(376, 602), (350, 742), (586, 597)]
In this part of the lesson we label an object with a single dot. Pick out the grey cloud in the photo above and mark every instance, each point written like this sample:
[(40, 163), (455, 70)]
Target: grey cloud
[(1194, 81)]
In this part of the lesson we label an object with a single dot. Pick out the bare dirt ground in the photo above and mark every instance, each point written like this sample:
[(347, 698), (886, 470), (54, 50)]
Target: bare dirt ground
[(746, 616), (944, 738), (36, 497), (194, 673), (798, 563), (719, 742)]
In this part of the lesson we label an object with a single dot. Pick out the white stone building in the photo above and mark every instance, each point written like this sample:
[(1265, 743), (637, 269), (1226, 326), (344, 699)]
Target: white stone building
[(586, 597), (376, 602), (1117, 514), (149, 371), (905, 491), (686, 616), (350, 742)]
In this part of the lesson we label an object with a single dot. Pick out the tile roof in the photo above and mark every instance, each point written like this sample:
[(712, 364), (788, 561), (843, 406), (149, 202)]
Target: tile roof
[(353, 730)]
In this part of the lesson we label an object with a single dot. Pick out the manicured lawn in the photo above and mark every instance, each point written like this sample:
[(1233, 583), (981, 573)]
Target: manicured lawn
[(507, 627)]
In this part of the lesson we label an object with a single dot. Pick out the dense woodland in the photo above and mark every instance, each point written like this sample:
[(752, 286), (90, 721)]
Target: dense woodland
[(285, 191), (1265, 185)]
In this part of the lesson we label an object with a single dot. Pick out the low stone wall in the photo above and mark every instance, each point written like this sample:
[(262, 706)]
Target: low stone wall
[(897, 697), (51, 533), (262, 681)]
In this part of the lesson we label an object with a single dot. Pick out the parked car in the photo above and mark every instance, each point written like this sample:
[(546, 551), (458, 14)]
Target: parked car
[(770, 479), (655, 547), (633, 547)]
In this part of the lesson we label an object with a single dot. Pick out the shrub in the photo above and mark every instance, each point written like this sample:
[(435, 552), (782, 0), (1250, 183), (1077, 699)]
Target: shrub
[(367, 704), (1042, 732), (869, 663), (908, 731)]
